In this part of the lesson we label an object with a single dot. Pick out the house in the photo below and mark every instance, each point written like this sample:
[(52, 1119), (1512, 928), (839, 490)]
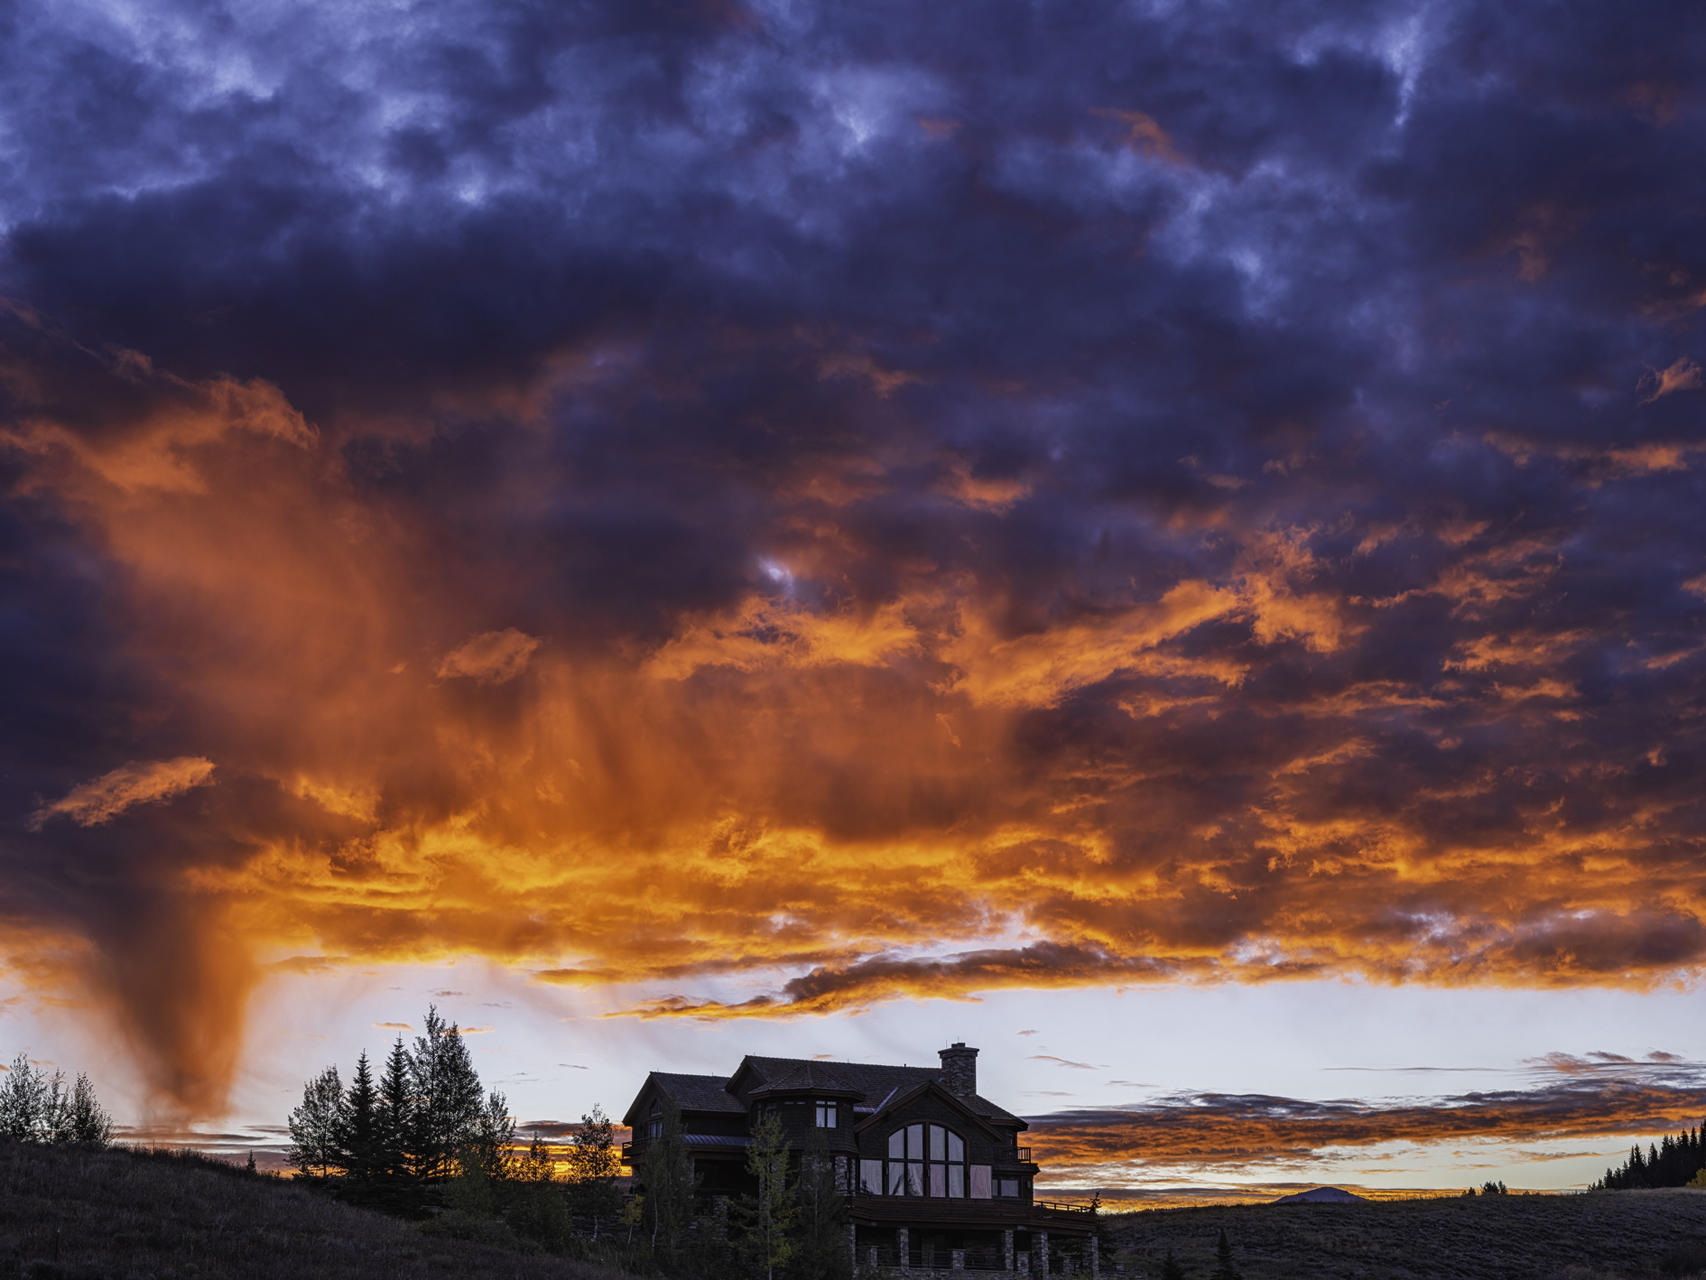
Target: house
[(935, 1173)]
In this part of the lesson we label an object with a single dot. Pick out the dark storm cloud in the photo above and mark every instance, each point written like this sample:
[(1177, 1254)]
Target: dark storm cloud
[(1204, 491)]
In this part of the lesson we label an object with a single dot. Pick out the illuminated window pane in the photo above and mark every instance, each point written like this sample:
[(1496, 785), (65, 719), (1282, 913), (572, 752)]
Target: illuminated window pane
[(956, 1147), (938, 1147), (956, 1180), (980, 1182), (915, 1142), (897, 1145), (938, 1180), (914, 1179), (871, 1177), (897, 1179)]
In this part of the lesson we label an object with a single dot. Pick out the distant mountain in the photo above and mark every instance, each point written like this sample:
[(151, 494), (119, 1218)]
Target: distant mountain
[(1323, 1195)]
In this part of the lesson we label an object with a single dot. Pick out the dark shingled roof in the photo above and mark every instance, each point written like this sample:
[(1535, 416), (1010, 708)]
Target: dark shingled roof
[(697, 1093), (808, 1075), (874, 1081)]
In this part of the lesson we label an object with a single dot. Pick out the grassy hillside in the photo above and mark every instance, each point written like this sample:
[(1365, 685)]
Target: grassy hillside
[(1624, 1234), (85, 1215)]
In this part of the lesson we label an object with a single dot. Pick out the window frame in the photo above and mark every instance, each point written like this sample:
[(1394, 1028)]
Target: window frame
[(921, 1160)]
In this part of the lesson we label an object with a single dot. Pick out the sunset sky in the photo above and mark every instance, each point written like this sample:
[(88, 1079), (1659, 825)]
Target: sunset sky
[(1162, 540)]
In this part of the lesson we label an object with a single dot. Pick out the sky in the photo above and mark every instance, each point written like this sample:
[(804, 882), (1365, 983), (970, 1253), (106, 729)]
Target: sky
[(1161, 540)]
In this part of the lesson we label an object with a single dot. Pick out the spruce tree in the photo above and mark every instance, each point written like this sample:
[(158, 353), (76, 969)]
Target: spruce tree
[(1224, 1269), (396, 1111), (359, 1125), (1170, 1268), (446, 1096)]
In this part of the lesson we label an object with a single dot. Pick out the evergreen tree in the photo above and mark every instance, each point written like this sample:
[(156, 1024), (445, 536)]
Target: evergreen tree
[(1106, 1243), (593, 1167), (314, 1129), (1672, 1162), (820, 1235), (446, 1105), (1224, 1269), (359, 1125), (1170, 1268), (666, 1172), (766, 1218), (395, 1113)]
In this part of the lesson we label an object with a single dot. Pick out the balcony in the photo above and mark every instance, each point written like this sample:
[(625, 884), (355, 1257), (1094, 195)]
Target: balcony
[(1013, 1155), (1061, 1206)]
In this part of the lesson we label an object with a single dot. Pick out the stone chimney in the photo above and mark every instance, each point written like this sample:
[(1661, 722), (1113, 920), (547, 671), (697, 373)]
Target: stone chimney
[(959, 1069)]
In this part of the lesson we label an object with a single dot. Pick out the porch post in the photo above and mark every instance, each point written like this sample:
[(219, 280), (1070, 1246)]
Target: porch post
[(1095, 1258), (1041, 1250), (1007, 1248), (903, 1245)]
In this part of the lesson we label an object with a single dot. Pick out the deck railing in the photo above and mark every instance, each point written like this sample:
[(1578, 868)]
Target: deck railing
[(1013, 1155)]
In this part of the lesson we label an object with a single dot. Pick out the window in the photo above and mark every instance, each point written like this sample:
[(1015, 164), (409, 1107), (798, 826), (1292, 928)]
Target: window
[(1006, 1186), (826, 1115), (871, 1177), (925, 1159), (654, 1127)]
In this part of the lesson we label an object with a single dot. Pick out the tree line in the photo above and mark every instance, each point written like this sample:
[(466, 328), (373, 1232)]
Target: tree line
[(1676, 1161), (37, 1107), (791, 1226), (424, 1139)]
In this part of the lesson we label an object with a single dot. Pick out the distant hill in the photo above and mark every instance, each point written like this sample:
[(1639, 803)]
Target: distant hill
[(1603, 1235), (69, 1214), (1322, 1195)]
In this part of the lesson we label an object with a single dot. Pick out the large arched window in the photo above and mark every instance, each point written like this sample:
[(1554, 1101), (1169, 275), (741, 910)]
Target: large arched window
[(925, 1160)]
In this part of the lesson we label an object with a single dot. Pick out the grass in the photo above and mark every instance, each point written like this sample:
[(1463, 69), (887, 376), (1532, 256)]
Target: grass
[(81, 1214), (1613, 1235)]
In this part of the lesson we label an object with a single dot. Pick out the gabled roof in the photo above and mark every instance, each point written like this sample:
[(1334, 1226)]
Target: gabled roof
[(904, 1097), (873, 1082), (688, 1093)]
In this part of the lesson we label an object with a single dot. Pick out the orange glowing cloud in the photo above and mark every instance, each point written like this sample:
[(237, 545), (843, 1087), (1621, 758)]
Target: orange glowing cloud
[(869, 767)]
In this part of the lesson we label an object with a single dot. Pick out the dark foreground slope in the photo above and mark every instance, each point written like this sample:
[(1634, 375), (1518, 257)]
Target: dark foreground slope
[(1629, 1235), (116, 1215)]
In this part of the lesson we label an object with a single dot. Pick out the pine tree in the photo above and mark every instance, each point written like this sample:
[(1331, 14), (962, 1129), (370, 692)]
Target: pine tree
[(314, 1129), (1170, 1268), (396, 1111), (765, 1218), (359, 1125), (446, 1099), (1224, 1269), (820, 1234)]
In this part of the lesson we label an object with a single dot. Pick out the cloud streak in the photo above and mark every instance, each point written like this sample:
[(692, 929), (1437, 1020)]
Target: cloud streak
[(105, 797)]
